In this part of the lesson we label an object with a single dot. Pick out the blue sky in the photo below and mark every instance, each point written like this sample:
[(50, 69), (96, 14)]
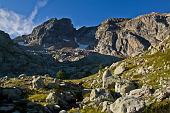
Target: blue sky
[(82, 12)]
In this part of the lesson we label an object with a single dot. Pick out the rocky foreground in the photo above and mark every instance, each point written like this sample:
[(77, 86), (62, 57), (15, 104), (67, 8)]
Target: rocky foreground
[(119, 66), (108, 91)]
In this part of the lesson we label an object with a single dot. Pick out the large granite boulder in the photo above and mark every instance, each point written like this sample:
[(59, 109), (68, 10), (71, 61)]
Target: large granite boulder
[(100, 95), (127, 104), (120, 69), (161, 94), (145, 91), (124, 86)]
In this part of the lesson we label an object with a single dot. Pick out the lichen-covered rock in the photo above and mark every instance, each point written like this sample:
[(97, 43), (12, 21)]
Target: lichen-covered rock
[(106, 106), (145, 91), (110, 82), (120, 69), (106, 74), (161, 94), (124, 86), (127, 105), (100, 95)]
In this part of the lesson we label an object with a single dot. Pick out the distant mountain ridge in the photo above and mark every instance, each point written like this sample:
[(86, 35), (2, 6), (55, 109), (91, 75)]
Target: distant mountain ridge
[(117, 36), (58, 41)]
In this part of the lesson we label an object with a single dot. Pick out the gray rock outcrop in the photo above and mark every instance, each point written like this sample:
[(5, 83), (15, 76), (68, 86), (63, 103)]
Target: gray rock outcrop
[(85, 36), (100, 95), (54, 32), (119, 69), (106, 74), (145, 91), (124, 86), (127, 105)]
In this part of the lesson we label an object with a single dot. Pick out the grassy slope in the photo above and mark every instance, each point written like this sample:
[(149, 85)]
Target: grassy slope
[(157, 61)]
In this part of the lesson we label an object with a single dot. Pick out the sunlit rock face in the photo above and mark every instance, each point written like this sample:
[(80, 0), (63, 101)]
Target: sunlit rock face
[(131, 37)]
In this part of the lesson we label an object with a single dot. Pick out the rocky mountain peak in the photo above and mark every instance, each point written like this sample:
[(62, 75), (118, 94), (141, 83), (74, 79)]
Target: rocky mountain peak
[(59, 33), (114, 20), (131, 37), (62, 26)]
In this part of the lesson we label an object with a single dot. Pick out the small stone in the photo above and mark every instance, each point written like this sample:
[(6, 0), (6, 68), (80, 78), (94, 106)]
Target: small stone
[(63, 111), (52, 98)]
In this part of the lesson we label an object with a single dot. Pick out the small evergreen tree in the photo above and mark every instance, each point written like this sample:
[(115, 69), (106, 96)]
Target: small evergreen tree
[(101, 67), (60, 74)]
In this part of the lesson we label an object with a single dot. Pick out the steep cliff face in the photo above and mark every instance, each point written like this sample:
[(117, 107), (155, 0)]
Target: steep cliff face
[(106, 35), (130, 37), (58, 33), (85, 37)]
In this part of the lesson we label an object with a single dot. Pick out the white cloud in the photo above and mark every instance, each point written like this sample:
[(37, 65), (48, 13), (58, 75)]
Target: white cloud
[(40, 4), (16, 24)]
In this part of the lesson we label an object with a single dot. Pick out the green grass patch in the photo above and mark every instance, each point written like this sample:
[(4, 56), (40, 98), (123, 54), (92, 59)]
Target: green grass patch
[(158, 107)]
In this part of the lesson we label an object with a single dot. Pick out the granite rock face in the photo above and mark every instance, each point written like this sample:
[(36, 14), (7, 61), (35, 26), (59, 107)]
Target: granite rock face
[(85, 36), (131, 37), (106, 35), (58, 33)]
